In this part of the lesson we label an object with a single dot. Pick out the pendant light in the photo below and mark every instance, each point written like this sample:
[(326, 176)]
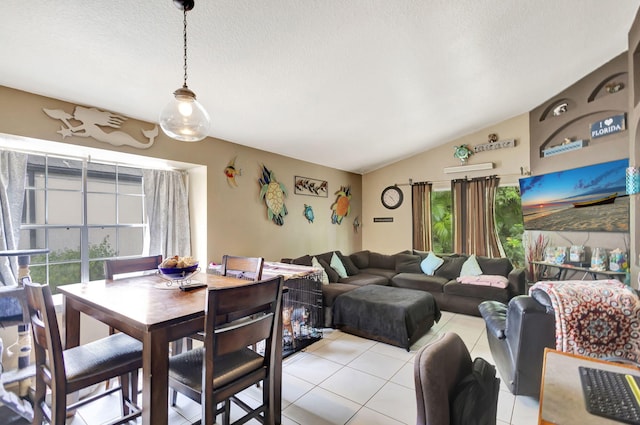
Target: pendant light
[(184, 118)]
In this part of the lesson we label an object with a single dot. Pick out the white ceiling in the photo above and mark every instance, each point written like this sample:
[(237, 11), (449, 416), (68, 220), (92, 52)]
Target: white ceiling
[(353, 85)]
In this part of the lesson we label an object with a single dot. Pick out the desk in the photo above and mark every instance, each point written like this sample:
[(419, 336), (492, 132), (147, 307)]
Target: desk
[(564, 268), (150, 311), (561, 399)]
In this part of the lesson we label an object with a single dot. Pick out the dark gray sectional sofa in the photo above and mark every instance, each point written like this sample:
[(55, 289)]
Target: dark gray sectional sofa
[(403, 270)]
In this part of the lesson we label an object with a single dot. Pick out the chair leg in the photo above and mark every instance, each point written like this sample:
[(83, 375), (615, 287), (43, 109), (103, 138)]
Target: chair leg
[(39, 399), (58, 408), (226, 416), (125, 390), (134, 387)]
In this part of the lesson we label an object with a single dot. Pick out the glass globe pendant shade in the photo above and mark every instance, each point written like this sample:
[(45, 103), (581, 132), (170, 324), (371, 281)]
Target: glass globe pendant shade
[(184, 118)]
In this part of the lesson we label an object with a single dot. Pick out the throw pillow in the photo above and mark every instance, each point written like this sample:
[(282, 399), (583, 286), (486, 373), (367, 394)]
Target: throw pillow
[(325, 277), (360, 259), (305, 260), (337, 265), (348, 264), (471, 267), (407, 263), (431, 263), (333, 275)]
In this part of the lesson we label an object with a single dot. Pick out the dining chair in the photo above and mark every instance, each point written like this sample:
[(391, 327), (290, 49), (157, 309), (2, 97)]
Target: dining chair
[(442, 370), (67, 371), (235, 318), (118, 266), (249, 268)]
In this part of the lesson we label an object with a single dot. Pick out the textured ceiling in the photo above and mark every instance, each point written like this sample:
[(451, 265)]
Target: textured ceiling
[(353, 85)]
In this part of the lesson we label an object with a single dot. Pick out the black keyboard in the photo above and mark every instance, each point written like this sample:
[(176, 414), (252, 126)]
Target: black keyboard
[(611, 395)]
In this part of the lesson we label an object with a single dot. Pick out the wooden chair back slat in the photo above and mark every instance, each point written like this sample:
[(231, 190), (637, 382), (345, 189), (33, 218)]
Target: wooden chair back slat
[(129, 265), (245, 267)]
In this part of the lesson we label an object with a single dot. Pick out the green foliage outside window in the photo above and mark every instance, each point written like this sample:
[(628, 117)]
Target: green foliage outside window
[(441, 224), (64, 265), (509, 224)]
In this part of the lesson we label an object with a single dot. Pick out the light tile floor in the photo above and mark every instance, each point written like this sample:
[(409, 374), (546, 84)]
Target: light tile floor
[(344, 379)]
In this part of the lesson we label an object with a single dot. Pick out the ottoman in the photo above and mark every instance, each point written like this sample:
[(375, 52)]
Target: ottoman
[(396, 316)]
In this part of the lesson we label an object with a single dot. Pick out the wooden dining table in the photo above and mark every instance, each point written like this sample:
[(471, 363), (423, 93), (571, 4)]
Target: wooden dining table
[(148, 309)]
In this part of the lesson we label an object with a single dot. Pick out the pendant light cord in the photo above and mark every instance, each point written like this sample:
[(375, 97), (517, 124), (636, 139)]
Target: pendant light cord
[(184, 35)]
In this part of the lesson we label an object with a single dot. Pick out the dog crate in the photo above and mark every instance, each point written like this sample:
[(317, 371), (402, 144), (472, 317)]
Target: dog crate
[(302, 315)]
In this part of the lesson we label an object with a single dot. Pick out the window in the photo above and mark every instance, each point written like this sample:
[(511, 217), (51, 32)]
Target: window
[(85, 212), (508, 222), (441, 223)]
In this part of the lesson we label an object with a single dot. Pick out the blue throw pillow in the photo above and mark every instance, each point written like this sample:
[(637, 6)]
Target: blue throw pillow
[(337, 265), (431, 263), (471, 267)]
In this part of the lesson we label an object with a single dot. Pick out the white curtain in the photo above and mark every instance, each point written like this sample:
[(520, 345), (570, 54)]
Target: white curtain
[(167, 205), (13, 170)]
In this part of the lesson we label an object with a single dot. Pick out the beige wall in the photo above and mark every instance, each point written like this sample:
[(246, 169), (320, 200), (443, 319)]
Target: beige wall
[(429, 166), (225, 219)]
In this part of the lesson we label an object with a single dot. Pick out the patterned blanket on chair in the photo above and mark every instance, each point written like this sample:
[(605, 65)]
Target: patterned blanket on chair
[(598, 318)]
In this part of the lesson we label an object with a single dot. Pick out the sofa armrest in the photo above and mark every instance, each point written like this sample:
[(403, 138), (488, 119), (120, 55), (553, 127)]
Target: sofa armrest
[(494, 314), (517, 282)]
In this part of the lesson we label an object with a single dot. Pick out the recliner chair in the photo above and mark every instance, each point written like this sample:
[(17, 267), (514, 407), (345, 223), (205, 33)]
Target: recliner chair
[(518, 334)]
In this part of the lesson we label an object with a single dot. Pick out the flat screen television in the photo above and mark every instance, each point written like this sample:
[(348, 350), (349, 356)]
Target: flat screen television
[(591, 198)]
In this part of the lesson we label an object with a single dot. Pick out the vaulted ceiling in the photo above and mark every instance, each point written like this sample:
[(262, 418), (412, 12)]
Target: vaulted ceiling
[(353, 85)]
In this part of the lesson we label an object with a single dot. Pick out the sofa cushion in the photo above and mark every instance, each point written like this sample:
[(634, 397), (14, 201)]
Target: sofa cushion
[(430, 263), (326, 256), (419, 281), (407, 263), (337, 265), (325, 276), (471, 267), (305, 260), (381, 261), (351, 268), (333, 275), (386, 273), (360, 259), (476, 291), (451, 267), (362, 279), (495, 266), (422, 254)]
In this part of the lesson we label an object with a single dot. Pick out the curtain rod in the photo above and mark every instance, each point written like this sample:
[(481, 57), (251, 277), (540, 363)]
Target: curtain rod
[(411, 182)]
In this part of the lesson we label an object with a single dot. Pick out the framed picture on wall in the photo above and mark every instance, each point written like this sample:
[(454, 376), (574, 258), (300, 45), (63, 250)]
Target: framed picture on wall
[(589, 199), (310, 187)]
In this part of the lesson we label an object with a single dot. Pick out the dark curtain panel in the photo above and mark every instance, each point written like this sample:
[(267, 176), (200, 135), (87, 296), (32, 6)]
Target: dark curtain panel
[(421, 211), (473, 204)]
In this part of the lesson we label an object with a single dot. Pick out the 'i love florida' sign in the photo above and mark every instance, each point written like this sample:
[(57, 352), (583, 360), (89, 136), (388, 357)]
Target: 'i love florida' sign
[(605, 127)]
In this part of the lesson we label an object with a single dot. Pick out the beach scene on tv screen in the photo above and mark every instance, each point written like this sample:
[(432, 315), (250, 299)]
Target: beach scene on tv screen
[(591, 198)]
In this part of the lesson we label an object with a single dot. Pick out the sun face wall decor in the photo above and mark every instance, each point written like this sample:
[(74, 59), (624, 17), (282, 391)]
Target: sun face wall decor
[(342, 206), (273, 194)]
